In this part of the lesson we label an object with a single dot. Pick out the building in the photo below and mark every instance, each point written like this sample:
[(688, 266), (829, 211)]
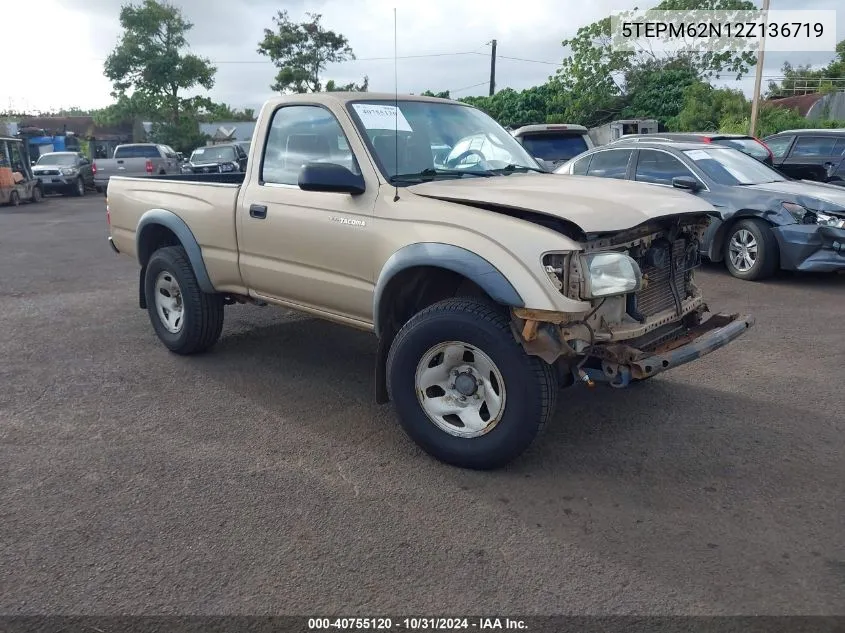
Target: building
[(815, 106), (604, 134), (228, 131), (74, 133)]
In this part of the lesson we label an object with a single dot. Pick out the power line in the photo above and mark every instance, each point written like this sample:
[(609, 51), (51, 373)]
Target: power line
[(522, 59), (483, 83)]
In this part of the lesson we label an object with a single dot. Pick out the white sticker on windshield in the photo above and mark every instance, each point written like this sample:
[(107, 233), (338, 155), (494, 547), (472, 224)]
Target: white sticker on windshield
[(698, 154), (382, 117)]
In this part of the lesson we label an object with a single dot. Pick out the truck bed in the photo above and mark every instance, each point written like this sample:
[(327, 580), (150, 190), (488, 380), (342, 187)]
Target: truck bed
[(232, 178), (205, 203)]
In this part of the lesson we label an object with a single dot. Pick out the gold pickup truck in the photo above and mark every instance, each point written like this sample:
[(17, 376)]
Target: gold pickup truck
[(489, 284)]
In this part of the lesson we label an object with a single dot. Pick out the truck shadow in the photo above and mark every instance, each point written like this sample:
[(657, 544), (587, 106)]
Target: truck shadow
[(300, 365), (671, 478)]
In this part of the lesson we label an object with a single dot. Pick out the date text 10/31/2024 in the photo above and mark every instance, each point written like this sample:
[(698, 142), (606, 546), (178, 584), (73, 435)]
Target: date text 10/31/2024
[(416, 624)]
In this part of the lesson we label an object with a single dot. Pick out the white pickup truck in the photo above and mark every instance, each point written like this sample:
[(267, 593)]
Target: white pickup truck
[(489, 283)]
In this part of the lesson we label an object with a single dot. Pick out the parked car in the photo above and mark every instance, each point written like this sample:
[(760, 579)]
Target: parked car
[(218, 159), (810, 154), (489, 286), (751, 145), (136, 159), (554, 144), (766, 221), (70, 173)]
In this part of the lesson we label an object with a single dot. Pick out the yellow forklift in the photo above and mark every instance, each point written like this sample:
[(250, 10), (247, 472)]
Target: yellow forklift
[(17, 184)]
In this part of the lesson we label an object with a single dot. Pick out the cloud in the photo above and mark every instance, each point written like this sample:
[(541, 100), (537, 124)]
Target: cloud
[(228, 34)]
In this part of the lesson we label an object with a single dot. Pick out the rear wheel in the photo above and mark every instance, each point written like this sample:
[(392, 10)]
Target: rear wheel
[(751, 250), (186, 319), (79, 188), (14, 199), (464, 389)]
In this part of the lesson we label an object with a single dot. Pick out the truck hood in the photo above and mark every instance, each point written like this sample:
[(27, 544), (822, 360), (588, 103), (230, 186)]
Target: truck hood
[(816, 196), (596, 205)]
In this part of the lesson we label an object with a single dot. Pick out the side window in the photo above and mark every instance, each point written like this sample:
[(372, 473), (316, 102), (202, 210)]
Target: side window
[(814, 146), (610, 163), (300, 135), (779, 145), (839, 148), (659, 168), (579, 167), (15, 156)]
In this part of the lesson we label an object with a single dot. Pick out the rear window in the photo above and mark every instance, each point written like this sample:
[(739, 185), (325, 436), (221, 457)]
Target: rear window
[(554, 147), (137, 151), (747, 145)]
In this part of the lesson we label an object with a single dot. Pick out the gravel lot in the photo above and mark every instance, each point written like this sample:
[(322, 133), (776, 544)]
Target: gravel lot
[(261, 478)]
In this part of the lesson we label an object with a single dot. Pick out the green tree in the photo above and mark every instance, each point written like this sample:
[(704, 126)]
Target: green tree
[(223, 112), (439, 95), (151, 68), (183, 136), (301, 52), (331, 86), (705, 108), (657, 92), (596, 82), (803, 79)]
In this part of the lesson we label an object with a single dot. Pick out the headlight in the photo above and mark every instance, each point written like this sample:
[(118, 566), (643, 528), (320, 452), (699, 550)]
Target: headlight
[(227, 167), (69, 171), (803, 215), (830, 220), (609, 274)]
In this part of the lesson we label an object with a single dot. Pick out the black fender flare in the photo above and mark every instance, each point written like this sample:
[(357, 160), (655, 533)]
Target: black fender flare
[(169, 220), (449, 257)]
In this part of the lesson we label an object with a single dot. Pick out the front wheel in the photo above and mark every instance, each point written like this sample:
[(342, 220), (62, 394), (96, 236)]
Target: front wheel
[(751, 250), (186, 319), (464, 389), (79, 188), (36, 195)]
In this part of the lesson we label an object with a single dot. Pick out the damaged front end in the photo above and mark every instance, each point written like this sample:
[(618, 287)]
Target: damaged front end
[(647, 314)]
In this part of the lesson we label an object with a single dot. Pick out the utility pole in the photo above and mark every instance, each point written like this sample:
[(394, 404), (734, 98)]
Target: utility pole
[(758, 76), (493, 68)]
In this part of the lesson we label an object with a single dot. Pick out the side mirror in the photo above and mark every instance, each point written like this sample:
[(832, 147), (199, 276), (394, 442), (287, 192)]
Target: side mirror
[(685, 182), (32, 163), (330, 177)]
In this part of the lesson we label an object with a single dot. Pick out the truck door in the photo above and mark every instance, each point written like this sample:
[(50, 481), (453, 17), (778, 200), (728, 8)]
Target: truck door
[(307, 248)]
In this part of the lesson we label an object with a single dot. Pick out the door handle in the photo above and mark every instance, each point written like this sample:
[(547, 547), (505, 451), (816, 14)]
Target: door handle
[(258, 211)]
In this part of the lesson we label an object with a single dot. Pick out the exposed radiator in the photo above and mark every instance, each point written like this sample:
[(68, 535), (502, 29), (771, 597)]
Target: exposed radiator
[(657, 295)]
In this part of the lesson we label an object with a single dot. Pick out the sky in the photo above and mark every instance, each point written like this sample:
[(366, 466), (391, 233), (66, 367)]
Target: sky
[(441, 44)]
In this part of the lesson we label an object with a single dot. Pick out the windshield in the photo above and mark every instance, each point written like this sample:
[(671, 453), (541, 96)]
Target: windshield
[(213, 154), (747, 145), (437, 140), (554, 147), (732, 167), (57, 159)]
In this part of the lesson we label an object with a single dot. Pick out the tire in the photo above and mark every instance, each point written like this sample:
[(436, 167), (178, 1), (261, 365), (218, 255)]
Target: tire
[(79, 188), (37, 196), (14, 199), (526, 390), (758, 234), (201, 319)]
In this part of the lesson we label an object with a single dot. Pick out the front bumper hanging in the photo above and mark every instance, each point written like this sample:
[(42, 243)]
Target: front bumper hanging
[(700, 340)]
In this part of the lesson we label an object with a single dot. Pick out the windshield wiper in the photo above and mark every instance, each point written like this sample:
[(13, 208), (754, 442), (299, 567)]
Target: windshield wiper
[(431, 173), (509, 169)]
